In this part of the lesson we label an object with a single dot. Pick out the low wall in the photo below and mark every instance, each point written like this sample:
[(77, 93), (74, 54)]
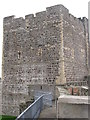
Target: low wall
[(43, 88), (72, 106)]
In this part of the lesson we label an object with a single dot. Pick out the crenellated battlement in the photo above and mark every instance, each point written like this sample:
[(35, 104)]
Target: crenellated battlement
[(8, 19), (51, 15), (39, 20), (57, 9), (12, 18), (30, 16), (46, 48), (41, 14), (75, 19)]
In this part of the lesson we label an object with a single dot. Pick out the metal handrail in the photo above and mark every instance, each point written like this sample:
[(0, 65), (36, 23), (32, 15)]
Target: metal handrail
[(25, 113), (33, 111)]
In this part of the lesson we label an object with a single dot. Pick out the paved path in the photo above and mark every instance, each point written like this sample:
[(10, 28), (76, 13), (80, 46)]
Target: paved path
[(48, 112)]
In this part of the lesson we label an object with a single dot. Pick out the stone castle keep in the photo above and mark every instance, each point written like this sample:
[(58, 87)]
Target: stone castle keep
[(50, 48)]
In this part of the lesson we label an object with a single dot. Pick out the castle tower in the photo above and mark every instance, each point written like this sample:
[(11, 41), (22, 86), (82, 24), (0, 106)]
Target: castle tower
[(50, 48)]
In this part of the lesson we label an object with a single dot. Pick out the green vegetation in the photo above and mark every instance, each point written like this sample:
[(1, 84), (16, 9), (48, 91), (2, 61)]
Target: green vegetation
[(0, 117), (5, 117)]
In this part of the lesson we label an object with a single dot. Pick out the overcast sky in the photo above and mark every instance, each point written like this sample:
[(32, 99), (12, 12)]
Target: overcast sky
[(20, 8)]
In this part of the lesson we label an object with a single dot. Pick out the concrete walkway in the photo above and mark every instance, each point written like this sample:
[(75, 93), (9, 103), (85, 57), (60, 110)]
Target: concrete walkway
[(48, 112)]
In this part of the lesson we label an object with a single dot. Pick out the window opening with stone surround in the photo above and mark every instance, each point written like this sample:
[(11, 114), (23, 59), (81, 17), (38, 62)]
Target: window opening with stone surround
[(19, 54)]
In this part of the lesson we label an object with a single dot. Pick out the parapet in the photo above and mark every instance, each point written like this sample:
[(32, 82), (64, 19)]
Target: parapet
[(85, 23), (58, 8), (30, 16), (75, 19), (18, 19), (13, 23), (85, 19), (8, 19), (51, 14), (41, 14)]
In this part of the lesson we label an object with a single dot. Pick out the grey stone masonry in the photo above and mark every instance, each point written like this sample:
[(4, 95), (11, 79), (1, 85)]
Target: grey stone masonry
[(72, 107), (49, 48)]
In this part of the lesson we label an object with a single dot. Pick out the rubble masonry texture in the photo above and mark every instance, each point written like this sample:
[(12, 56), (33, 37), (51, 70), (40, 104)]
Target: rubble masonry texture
[(49, 48)]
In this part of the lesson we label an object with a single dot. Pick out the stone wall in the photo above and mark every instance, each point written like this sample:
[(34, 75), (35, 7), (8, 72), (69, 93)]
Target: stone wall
[(48, 48), (42, 89), (72, 107), (14, 81), (75, 46)]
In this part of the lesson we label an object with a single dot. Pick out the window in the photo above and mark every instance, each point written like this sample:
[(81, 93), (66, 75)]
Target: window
[(41, 87), (19, 54)]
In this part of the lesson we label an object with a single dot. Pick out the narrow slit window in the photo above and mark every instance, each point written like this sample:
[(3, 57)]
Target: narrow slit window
[(41, 87), (19, 54)]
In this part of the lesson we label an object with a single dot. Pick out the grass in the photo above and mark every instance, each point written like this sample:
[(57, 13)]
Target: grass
[(0, 117), (5, 117)]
